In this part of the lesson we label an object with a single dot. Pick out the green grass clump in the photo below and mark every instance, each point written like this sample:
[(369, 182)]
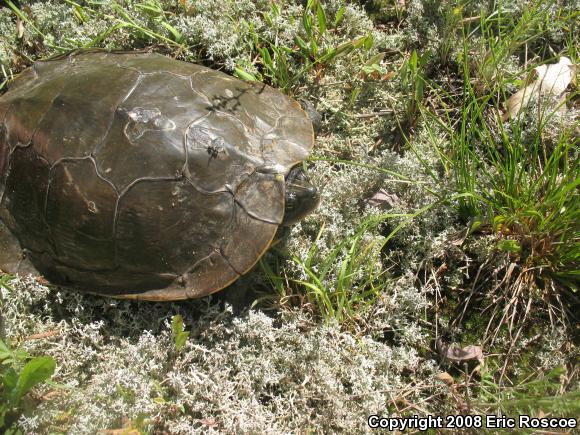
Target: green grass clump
[(341, 285), (520, 185), (311, 49), (520, 181)]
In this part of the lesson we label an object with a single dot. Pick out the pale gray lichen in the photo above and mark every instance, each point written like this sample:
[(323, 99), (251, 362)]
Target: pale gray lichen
[(244, 373)]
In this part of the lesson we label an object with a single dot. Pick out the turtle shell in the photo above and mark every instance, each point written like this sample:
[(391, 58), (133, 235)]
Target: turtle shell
[(137, 176)]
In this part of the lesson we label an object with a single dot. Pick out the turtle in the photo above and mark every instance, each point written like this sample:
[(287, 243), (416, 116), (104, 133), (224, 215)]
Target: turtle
[(138, 176)]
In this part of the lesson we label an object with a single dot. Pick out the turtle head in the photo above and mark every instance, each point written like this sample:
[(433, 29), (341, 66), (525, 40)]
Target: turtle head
[(302, 197)]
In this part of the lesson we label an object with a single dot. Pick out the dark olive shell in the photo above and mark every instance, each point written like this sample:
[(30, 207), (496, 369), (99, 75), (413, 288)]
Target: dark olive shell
[(138, 176)]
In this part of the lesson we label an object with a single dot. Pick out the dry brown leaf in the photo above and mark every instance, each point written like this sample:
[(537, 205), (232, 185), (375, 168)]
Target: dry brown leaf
[(549, 79), (445, 378), (383, 200), (455, 353)]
